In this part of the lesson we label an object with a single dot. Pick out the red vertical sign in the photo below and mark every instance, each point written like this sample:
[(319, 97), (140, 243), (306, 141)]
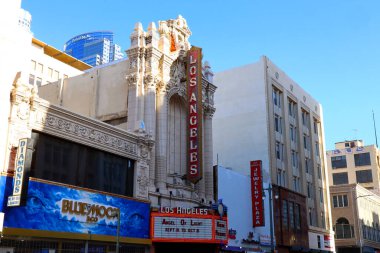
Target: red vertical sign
[(257, 194), (194, 96)]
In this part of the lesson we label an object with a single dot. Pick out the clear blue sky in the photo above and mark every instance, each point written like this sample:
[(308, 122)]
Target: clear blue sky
[(329, 47)]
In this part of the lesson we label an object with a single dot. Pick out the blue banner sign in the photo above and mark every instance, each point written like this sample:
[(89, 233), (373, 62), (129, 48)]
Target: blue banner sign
[(52, 207)]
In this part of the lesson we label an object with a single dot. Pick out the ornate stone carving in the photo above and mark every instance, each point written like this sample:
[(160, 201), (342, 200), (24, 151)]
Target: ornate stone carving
[(133, 63), (142, 182), (209, 110), (132, 80), (23, 111), (177, 73), (91, 135)]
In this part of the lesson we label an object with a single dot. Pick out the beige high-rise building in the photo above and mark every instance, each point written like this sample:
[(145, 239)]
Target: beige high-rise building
[(265, 115), (354, 187), (354, 163)]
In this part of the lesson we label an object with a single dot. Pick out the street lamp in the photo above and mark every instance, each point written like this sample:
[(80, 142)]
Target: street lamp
[(269, 189)]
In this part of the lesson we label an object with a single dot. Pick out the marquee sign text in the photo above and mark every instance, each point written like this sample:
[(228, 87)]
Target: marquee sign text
[(194, 96)]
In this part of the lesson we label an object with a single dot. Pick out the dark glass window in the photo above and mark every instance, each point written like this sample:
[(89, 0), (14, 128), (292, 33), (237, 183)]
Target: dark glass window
[(291, 215), (364, 176), (340, 201), (362, 159), (70, 163), (340, 178), (297, 216), (285, 214), (338, 162)]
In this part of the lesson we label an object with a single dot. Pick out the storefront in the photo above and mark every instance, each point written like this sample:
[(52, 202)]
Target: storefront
[(63, 218), (188, 230)]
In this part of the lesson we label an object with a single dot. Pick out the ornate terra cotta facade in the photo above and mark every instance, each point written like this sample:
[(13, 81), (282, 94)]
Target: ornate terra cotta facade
[(158, 106)]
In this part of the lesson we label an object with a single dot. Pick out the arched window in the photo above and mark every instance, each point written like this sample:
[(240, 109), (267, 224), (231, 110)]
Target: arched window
[(342, 220), (177, 136), (343, 229)]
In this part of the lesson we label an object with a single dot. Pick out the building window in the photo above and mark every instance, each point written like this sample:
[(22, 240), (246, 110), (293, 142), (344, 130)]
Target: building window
[(362, 159), (293, 133), (340, 201), (316, 126), (319, 241), (40, 68), (31, 79), (338, 162), (311, 217), (296, 184), (50, 72), (33, 65), (309, 190), (305, 142), (277, 123), (364, 176), (317, 149), (323, 220), (321, 195), (297, 216), (292, 109), (281, 177), (285, 214), (56, 75), (308, 166), (279, 150), (277, 97), (319, 172), (340, 178), (291, 215), (305, 118), (70, 163), (38, 81), (294, 159)]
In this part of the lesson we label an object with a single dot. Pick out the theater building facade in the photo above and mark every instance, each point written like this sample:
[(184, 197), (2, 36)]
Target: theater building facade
[(119, 155)]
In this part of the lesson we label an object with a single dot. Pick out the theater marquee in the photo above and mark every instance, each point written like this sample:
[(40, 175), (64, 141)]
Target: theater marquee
[(194, 96), (188, 225)]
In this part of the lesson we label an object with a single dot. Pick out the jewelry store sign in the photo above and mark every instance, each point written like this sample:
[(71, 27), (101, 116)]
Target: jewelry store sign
[(257, 193), (21, 173)]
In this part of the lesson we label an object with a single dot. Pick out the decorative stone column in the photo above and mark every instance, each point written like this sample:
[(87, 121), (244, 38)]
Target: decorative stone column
[(208, 154), (135, 90), (22, 100), (150, 122), (141, 188), (162, 138)]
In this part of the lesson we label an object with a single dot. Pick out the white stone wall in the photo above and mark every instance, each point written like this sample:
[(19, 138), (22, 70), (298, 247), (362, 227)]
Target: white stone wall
[(240, 126)]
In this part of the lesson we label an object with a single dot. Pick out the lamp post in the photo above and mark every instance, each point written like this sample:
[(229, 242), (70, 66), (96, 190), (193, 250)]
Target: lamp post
[(269, 189)]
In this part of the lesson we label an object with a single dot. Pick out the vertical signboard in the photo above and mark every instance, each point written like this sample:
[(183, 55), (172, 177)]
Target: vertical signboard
[(257, 194), (21, 173), (194, 96)]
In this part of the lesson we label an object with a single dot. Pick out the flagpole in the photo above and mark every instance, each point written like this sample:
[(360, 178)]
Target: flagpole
[(374, 126)]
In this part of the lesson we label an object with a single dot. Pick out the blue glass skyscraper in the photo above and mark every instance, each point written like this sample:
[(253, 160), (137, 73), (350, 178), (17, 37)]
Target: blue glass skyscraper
[(94, 48)]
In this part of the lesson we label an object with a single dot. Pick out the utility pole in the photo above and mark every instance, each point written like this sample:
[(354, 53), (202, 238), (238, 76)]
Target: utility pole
[(118, 230), (374, 126), (269, 189)]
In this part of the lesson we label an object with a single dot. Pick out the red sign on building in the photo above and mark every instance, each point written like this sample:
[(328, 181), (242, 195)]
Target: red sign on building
[(257, 194), (194, 96)]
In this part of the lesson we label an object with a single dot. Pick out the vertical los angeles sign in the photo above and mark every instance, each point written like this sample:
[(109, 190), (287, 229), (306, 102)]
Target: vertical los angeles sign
[(194, 96), (257, 194)]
